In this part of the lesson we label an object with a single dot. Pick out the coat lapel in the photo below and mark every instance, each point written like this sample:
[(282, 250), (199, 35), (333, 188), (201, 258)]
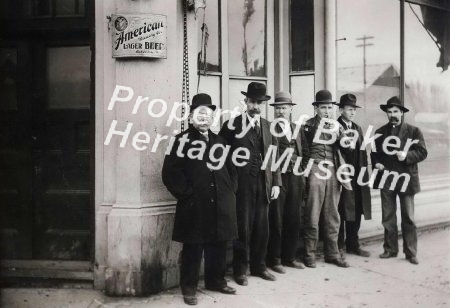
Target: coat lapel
[(298, 141)]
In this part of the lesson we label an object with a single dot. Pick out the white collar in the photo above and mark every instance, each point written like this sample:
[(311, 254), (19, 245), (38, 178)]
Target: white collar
[(256, 119), (348, 123)]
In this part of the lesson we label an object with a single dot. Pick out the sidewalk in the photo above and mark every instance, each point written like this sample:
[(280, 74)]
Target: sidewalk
[(369, 282), (431, 206)]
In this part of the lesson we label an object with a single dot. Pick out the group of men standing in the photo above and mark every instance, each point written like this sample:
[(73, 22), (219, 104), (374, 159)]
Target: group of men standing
[(266, 212)]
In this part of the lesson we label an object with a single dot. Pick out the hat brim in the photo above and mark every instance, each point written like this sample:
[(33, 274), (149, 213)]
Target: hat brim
[(343, 105), (213, 107), (283, 103), (258, 98), (318, 103), (385, 107)]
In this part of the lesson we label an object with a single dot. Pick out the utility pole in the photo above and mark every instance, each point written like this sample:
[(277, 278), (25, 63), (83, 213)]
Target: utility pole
[(364, 45)]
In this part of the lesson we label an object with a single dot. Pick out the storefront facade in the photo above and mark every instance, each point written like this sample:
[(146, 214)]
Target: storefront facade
[(134, 212), (84, 204)]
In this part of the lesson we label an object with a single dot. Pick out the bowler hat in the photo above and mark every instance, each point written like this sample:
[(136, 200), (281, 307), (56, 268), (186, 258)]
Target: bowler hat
[(257, 91), (348, 100), (202, 99), (282, 98), (394, 101), (323, 97)]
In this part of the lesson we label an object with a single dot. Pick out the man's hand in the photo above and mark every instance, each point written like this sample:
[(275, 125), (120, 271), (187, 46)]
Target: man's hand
[(379, 166), (275, 192), (401, 155)]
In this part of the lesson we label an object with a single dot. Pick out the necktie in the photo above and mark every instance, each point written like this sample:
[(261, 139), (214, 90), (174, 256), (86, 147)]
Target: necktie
[(205, 137), (257, 128)]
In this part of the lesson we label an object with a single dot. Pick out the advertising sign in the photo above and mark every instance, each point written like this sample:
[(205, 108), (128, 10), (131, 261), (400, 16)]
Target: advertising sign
[(139, 35)]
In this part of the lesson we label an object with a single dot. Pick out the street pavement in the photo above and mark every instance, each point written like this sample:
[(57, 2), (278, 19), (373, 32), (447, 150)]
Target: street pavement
[(369, 282)]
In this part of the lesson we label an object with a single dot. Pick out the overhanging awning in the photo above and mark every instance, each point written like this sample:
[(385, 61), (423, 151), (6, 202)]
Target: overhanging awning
[(437, 22)]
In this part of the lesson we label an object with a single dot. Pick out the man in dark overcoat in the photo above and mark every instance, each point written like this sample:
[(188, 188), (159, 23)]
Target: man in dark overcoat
[(404, 147), (256, 187), (356, 202), (285, 211), (205, 217)]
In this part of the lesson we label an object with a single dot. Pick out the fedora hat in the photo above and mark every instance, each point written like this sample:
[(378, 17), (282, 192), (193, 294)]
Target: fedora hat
[(394, 101), (283, 98), (348, 100), (202, 99), (256, 90), (323, 97)]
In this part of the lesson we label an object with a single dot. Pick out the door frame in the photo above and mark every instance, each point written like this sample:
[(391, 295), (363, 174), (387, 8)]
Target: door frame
[(39, 272)]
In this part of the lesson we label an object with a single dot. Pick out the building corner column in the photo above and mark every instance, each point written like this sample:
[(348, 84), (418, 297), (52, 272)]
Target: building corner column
[(330, 46)]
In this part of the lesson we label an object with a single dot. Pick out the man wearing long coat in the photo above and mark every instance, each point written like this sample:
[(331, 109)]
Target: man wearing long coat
[(256, 187), (356, 202), (285, 211), (402, 158), (205, 217)]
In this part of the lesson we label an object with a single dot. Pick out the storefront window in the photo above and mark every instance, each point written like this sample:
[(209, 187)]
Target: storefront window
[(54, 8), (302, 35), (368, 55), (247, 37), (208, 21), (427, 89), (68, 77)]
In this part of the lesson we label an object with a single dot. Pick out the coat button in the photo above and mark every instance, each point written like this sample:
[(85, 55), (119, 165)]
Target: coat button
[(212, 184), (212, 200)]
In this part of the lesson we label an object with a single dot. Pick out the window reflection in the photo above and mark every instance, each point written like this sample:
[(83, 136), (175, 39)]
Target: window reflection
[(247, 37), (427, 89), (68, 77), (371, 72), (209, 52), (302, 35)]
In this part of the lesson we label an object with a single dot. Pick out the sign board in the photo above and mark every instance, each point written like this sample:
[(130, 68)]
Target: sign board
[(139, 35)]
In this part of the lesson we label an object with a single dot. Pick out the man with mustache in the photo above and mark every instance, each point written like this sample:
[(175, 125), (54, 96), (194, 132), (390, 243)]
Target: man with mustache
[(256, 187), (399, 155), (322, 192)]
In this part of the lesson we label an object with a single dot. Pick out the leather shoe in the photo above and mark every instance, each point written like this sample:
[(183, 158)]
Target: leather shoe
[(387, 254), (338, 262), (223, 289), (241, 280), (311, 264), (359, 252), (278, 269), (413, 260), (294, 264), (190, 300), (266, 275)]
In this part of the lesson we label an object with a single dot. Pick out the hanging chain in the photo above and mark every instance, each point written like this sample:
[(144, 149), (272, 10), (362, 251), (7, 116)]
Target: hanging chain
[(185, 91)]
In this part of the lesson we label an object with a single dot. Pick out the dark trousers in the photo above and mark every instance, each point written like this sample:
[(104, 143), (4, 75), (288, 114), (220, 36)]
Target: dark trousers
[(253, 226), (215, 266), (348, 230), (409, 233), (323, 198), (284, 221)]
